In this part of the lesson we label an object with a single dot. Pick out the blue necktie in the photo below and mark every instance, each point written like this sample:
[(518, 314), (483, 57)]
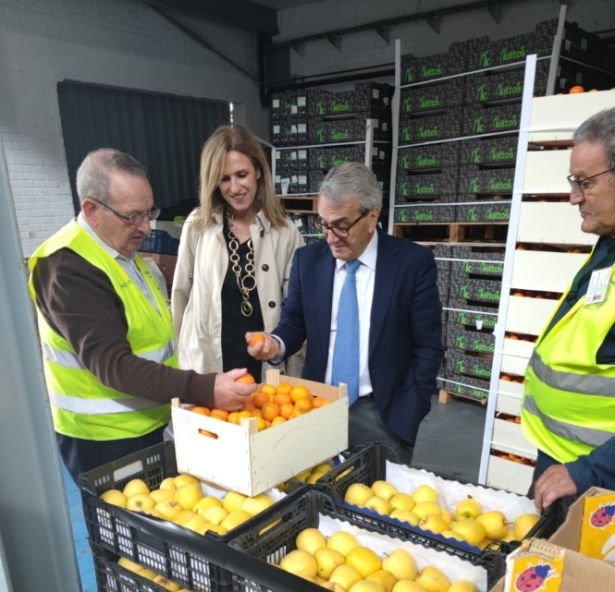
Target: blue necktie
[(347, 337)]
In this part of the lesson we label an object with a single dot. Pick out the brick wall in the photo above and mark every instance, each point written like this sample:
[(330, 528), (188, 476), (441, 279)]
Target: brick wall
[(115, 42), (368, 48)]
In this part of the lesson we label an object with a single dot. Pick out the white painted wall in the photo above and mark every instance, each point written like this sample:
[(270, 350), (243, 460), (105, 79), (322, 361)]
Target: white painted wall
[(115, 42), (368, 48)]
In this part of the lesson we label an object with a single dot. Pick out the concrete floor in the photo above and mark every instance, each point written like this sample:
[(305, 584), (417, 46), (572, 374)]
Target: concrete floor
[(449, 443)]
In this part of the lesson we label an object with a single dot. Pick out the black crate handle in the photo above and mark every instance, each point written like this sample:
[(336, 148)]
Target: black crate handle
[(220, 554)]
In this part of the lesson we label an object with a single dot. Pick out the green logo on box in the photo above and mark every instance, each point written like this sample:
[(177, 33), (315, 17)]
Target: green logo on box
[(501, 154), (478, 125), (464, 292), (471, 215), (319, 108), (478, 371), (423, 216), (320, 135), (422, 189), (426, 103), (484, 294), (342, 135), (460, 366), (475, 155), (407, 136), (512, 54), (491, 267), (495, 185), (500, 123), (498, 215), (460, 342), (407, 106), (403, 188), (338, 160), (481, 95), (482, 347), (485, 59), (425, 132), (505, 91), (320, 162), (431, 72), (409, 75), (405, 162), (474, 186), (425, 160), (403, 217), (339, 107)]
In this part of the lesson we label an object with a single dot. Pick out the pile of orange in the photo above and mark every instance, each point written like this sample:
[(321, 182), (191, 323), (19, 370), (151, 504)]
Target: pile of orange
[(271, 405)]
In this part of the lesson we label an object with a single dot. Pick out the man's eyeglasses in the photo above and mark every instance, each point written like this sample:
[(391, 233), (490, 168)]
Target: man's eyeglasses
[(339, 231), (133, 219), (582, 184)]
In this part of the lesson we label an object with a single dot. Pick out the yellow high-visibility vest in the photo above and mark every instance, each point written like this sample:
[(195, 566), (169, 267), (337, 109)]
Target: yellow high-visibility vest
[(568, 408), (82, 406)]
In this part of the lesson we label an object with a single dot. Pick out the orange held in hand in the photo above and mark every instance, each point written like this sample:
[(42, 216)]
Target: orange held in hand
[(257, 338), (246, 379)]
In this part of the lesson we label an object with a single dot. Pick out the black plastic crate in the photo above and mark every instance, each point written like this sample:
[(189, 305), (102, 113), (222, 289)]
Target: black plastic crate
[(163, 547), (368, 465), (160, 241), (273, 536)]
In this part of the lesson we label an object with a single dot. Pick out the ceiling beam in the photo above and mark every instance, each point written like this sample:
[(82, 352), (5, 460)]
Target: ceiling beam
[(299, 48), (238, 13), (496, 12), (385, 33), (336, 41), (434, 22)]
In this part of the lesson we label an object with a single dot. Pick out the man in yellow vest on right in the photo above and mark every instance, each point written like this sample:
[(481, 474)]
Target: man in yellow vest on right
[(568, 410)]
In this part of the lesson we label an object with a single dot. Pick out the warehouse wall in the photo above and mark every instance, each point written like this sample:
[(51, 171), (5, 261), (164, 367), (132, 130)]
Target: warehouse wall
[(368, 48), (114, 42)]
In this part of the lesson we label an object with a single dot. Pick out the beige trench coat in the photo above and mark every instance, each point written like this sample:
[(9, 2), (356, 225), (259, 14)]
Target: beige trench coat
[(196, 296)]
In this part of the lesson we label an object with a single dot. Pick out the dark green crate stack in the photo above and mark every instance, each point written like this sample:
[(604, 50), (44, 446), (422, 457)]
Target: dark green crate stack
[(318, 130), (458, 131)]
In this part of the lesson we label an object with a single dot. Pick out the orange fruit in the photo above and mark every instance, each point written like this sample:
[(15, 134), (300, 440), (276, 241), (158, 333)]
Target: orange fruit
[(246, 379), (201, 410), (269, 389), (243, 414), (284, 387), (304, 405), (261, 424), (257, 413), (219, 414), (249, 406), (299, 392), (233, 417), (277, 420), (257, 338), (319, 402), (576, 89), (295, 413), (259, 399), (282, 399), (286, 410), (270, 411)]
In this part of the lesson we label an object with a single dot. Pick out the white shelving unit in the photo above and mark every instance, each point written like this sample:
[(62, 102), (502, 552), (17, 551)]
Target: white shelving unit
[(544, 252)]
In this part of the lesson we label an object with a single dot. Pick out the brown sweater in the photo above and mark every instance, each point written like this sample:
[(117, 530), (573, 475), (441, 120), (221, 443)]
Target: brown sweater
[(79, 302)]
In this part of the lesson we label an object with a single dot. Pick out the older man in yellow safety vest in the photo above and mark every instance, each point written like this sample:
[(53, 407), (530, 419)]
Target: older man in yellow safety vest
[(108, 346), (568, 410)]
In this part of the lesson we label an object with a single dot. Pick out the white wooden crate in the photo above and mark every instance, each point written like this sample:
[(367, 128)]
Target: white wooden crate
[(552, 222), (545, 172), (509, 475), (516, 355), (556, 117), (508, 437), (242, 459), (529, 315), (509, 397), (545, 271)]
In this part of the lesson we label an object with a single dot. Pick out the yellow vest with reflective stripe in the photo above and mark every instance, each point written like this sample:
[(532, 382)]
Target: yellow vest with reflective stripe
[(82, 406), (568, 407)]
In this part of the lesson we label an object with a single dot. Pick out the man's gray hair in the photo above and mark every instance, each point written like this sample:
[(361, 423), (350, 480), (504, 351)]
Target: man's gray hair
[(351, 180), (599, 129), (94, 174)]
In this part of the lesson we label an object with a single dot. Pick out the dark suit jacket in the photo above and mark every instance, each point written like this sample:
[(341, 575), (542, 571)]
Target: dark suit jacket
[(405, 338)]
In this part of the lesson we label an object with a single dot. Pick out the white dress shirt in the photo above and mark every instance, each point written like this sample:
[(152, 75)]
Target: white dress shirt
[(366, 275)]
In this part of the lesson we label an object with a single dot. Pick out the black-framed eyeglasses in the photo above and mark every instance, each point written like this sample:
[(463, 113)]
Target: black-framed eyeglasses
[(133, 219), (339, 231), (581, 184)]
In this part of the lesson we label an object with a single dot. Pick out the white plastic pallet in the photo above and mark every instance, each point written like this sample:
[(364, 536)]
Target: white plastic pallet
[(545, 271), (529, 315), (556, 117), (545, 172), (548, 222)]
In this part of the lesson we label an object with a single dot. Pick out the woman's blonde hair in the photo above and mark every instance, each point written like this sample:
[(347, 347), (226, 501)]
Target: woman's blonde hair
[(213, 161)]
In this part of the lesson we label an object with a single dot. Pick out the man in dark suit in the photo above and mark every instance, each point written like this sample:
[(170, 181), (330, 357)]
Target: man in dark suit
[(368, 306)]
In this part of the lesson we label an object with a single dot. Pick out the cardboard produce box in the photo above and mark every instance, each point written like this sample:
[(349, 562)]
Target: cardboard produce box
[(476, 341), (431, 67), (289, 181), (351, 129), (315, 179), (488, 268), (488, 291), (366, 97), (564, 563), (433, 127), (433, 212), (489, 211), (433, 96), (466, 387), (460, 363), (491, 119), (480, 320), (486, 182), (501, 151), (240, 458), (166, 264), (428, 185), (292, 159), (289, 132), (431, 156)]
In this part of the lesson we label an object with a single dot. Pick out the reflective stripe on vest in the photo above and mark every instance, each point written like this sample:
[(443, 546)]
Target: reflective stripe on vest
[(585, 384), (100, 406), (70, 360), (567, 430)]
